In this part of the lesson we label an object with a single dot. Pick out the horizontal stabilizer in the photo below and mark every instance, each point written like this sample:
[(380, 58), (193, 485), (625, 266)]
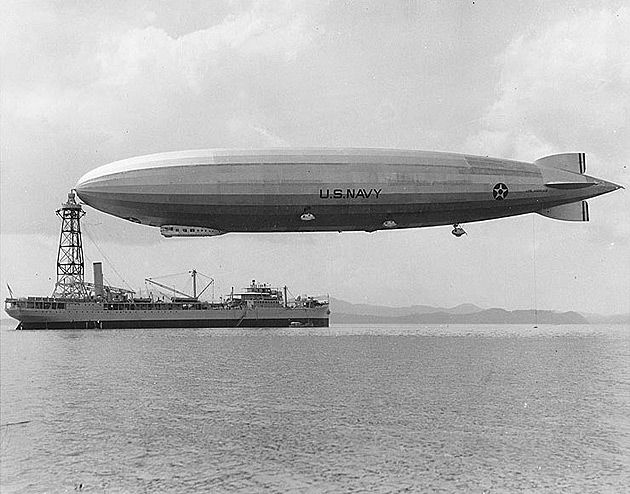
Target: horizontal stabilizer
[(576, 211), (571, 162)]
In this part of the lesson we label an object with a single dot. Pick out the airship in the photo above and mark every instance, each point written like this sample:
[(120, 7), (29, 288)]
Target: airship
[(216, 191)]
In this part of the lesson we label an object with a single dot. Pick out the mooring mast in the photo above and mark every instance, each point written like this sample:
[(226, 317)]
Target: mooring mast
[(70, 267)]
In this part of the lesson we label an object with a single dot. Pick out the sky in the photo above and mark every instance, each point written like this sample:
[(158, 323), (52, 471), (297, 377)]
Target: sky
[(85, 83)]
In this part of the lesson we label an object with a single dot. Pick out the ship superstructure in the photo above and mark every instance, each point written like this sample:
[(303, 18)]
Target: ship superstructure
[(77, 304)]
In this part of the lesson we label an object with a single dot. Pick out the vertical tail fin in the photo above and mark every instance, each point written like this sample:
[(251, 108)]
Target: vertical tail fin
[(571, 162), (576, 211)]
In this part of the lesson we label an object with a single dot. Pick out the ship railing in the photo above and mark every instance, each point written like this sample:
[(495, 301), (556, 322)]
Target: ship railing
[(40, 299), (37, 303)]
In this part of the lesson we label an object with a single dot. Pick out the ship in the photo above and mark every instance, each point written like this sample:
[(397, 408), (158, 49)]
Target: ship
[(78, 304)]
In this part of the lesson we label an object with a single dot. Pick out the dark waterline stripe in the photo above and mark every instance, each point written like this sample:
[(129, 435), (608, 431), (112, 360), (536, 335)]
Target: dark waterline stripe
[(177, 323)]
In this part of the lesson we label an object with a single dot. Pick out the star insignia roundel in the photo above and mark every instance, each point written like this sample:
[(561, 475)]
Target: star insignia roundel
[(500, 191)]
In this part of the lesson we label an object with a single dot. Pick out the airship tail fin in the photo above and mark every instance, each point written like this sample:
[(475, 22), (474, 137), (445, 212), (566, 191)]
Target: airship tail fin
[(571, 162), (576, 211)]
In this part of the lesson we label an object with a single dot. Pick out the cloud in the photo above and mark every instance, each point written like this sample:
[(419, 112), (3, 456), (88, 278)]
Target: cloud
[(561, 89), (80, 93), (112, 65), (251, 130), (198, 57), (567, 88)]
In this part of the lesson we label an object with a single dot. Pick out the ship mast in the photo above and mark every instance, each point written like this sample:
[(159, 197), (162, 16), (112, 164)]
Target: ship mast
[(193, 273), (70, 266)]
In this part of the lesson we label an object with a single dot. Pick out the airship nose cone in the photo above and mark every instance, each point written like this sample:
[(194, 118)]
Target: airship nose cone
[(85, 186), (98, 184), (81, 186), (81, 189), (101, 190)]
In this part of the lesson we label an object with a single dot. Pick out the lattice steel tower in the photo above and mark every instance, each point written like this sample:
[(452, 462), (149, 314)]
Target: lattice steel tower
[(70, 267)]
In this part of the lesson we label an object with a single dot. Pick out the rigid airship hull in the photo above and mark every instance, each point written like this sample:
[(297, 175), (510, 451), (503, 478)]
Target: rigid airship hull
[(331, 189)]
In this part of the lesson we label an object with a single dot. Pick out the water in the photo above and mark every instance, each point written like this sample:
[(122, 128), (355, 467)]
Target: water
[(349, 408)]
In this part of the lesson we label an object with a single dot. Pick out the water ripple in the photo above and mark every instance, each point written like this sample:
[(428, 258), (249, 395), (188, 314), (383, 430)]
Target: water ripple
[(350, 408)]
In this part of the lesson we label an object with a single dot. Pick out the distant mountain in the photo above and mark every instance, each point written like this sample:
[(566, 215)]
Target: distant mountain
[(463, 309), (346, 313), (490, 316), (341, 306)]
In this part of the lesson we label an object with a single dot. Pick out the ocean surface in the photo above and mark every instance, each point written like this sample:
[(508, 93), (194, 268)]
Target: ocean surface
[(340, 409)]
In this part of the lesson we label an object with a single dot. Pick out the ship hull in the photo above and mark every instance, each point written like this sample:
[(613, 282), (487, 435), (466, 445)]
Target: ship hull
[(95, 315), (175, 323)]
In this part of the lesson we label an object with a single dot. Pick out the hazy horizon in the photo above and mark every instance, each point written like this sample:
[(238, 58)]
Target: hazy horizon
[(85, 84)]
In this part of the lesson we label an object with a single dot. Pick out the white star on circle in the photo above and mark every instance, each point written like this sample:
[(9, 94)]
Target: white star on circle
[(500, 191)]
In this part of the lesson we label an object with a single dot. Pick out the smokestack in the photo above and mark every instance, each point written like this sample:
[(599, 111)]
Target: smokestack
[(98, 279)]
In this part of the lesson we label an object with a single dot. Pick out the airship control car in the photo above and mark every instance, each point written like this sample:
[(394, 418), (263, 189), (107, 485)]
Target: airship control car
[(211, 192)]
